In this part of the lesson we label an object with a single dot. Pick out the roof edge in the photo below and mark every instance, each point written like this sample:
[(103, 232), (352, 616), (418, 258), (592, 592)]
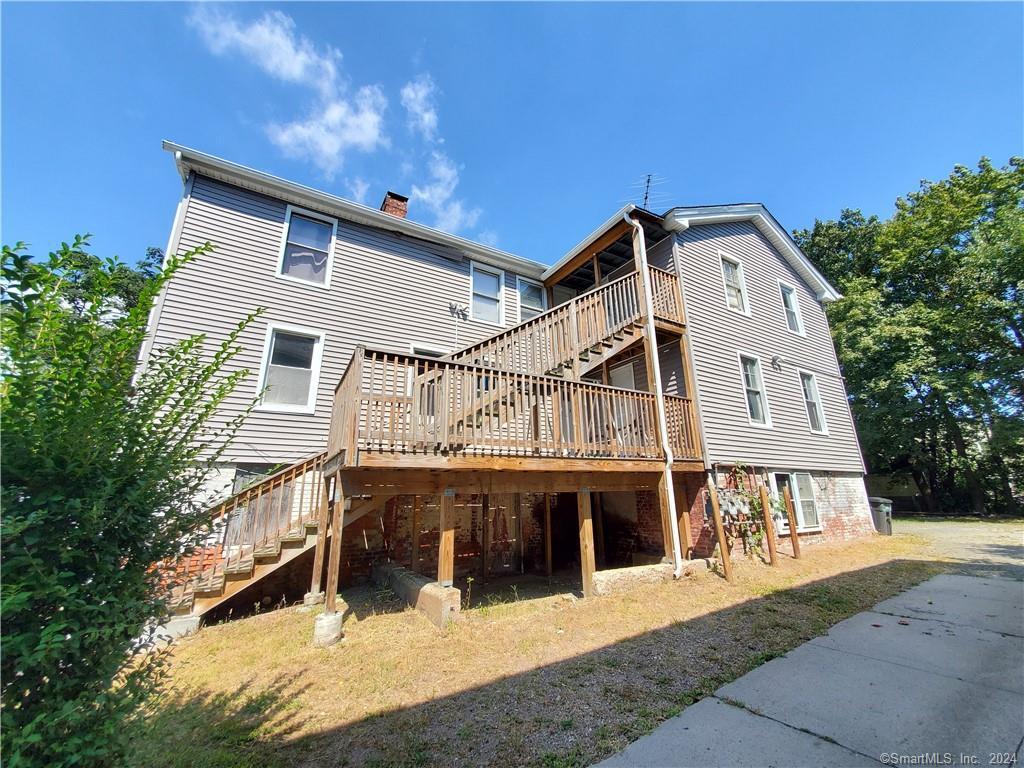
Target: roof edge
[(188, 159), (681, 217)]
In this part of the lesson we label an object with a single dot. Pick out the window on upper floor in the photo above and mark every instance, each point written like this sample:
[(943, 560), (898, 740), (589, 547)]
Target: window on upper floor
[(753, 389), (291, 369), (532, 299), (307, 247), (735, 288), (791, 307), (812, 402), (487, 303)]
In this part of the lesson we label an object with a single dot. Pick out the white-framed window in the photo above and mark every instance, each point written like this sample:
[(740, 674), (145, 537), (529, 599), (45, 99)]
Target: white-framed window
[(801, 489), (812, 402), (425, 399), (735, 287), (753, 391), (533, 298), (307, 247), (487, 294), (290, 371), (791, 308)]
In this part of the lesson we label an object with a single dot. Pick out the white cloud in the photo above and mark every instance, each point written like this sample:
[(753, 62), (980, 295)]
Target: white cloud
[(450, 214), (418, 100), (488, 237), (358, 188), (337, 122)]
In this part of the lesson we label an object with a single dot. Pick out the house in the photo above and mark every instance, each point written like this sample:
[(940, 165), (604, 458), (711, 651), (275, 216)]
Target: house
[(442, 408)]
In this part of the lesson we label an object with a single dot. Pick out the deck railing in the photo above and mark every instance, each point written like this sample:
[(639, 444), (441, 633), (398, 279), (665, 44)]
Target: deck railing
[(683, 435), (666, 295), (556, 337), (257, 517), (400, 403)]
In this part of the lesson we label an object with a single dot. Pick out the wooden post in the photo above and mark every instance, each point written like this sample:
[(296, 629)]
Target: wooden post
[(683, 513), (769, 525), (417, 525), (723, 545), (323, 520), (598, 510), (446, 553), (791, 516), (547, 535), (334, 564), (665, 512), (485, 536), (586, 540)]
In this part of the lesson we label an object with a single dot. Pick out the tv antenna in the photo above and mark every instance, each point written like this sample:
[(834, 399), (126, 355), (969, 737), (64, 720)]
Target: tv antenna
[(648, 185)]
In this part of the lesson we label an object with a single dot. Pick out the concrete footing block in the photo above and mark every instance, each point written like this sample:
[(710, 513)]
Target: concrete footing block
[(327, 629), (439, 604), (624, 579), (313, 598), (178, 626)]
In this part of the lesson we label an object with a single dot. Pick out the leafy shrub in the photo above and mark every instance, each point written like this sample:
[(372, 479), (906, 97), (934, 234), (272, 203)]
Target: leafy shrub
[(102, 470)]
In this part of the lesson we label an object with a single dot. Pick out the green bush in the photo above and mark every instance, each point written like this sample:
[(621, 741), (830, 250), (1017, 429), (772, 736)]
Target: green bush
[(102, 467)]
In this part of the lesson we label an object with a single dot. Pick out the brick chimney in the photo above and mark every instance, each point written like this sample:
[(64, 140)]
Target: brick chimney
[(395, 204)]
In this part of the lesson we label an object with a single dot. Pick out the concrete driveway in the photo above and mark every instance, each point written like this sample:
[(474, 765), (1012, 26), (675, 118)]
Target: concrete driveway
[(933, 676)]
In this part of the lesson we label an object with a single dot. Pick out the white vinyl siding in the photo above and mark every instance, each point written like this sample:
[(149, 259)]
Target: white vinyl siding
[(753, 391), (291, 369), (486, 303), (812, 402), (717, 333), (532, 298), (735, 288), (791, 308), (307, 247)]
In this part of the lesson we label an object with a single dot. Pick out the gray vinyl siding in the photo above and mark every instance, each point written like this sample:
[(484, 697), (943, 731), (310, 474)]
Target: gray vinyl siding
[(718, 334), (660, 255), (386, 291)]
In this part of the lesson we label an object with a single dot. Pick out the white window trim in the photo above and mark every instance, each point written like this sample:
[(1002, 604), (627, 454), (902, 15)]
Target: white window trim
[(783, 527), (746, 311), (500, 274), (740, 354), (413, 346), (326, 284), (821, 402), (314, 381), (796, 305), (543, 295)]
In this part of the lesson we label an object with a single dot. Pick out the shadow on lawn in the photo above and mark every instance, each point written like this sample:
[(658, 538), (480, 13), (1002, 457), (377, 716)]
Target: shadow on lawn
[(569, 713)]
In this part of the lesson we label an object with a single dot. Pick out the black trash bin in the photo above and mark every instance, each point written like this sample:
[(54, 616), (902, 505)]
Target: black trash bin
[(881, 513)]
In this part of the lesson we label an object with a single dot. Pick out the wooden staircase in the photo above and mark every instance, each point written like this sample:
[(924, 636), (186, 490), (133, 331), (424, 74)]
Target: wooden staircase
[(256, 532), (575, 337)]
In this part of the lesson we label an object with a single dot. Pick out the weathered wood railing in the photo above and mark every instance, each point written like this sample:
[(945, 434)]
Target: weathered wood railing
[(556, 337), (257, 518), (684, 438), (666, 295), (400, 403)]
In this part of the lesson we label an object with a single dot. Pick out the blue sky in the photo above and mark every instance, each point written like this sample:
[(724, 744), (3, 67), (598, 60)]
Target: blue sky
[(520, 125)]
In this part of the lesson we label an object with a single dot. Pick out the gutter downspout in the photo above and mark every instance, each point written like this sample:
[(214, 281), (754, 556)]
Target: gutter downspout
[(645, 276)]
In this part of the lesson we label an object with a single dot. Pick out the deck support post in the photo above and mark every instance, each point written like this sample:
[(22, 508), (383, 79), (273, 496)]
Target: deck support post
[(315, 594), (587, 565), (547, 535), (791, 516), (685, 534), (414, 534), (769, 524), (327, 626), (723, 544), (446, 555), (598, 511)]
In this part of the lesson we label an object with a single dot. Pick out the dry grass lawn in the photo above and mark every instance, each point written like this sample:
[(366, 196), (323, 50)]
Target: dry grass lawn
[(534, 682)]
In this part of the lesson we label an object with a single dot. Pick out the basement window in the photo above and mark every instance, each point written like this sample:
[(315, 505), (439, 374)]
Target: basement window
[(801, 489), (307, 247), (291, 369)]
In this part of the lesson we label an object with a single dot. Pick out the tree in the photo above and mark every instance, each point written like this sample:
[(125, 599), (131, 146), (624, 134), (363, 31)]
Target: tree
[(102, 473), (930, 333)]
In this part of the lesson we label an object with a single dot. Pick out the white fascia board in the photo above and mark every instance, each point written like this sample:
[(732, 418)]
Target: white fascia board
[(680, 218), (188, 159)]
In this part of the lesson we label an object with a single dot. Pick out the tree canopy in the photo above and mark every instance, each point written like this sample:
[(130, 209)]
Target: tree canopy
[(930, 333)]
